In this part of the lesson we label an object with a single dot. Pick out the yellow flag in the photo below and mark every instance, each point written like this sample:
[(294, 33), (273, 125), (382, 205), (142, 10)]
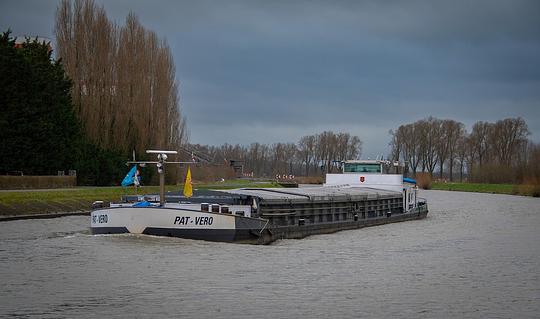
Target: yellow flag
[(188, 188)]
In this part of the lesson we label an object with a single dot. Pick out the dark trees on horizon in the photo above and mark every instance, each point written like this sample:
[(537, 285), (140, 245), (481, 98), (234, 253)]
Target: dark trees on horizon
[(491, 152), (38, 128)]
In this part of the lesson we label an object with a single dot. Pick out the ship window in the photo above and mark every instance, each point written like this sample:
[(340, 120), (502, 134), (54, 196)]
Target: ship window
[(240, 213), (362, 168)]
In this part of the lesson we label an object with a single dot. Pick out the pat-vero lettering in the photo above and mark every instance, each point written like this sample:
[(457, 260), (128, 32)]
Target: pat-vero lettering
[(198, 221), (100, 219)]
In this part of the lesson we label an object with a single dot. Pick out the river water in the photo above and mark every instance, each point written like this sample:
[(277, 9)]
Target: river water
[(475, 256)]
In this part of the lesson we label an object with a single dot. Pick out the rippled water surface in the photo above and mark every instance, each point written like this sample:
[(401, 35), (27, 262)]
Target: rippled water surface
[(475, 256)]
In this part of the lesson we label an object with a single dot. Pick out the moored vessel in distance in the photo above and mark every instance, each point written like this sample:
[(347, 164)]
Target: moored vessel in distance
[(366, 193)]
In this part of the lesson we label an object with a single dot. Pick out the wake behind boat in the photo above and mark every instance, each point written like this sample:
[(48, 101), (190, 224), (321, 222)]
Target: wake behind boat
[(365, 194)]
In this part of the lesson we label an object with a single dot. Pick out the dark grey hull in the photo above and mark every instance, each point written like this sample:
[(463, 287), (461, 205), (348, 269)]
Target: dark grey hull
[(220, 235), (256, 232), (244, 229), (108, 230), (297, 232)]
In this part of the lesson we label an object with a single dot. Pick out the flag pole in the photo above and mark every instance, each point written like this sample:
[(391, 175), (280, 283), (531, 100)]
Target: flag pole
[(188, 187)]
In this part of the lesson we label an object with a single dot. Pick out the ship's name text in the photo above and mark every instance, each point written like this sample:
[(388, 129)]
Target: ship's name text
[(199, 221)]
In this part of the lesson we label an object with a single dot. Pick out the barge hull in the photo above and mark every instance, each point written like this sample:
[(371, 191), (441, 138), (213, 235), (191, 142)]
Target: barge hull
[(258, 235), (299, 232), (182, 223)]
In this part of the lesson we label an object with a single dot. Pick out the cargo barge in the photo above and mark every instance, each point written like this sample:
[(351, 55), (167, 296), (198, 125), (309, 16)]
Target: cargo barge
[(364, 194)]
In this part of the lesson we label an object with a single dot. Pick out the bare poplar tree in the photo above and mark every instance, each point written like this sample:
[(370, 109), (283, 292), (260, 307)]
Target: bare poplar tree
[(429, 134), (306, 149), (410, 137), (461, 149), (508, 137), (354, 148), (479, 140), (125, 92), (455, 134)]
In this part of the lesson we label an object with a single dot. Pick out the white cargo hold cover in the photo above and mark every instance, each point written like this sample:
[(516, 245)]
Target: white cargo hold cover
[(392, 182)]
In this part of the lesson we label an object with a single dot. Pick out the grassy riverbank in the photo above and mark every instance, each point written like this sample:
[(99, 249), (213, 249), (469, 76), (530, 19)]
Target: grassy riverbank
[(27, 202), (510, 189)]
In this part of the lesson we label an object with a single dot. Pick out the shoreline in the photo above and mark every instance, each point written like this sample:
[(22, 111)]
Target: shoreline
[(503, 189), (43, 216)]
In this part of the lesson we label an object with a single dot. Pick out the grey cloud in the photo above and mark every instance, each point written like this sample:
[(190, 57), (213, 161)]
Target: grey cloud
[(276, 70)]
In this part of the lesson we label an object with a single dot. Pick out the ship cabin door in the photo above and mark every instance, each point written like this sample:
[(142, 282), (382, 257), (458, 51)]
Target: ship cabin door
[(408, 198)]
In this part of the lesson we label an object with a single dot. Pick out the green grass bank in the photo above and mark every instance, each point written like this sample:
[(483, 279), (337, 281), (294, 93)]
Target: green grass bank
[(80, 199), (509, 189)]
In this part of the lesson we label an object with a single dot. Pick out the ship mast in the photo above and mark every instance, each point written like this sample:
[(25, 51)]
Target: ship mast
[(160, 164)]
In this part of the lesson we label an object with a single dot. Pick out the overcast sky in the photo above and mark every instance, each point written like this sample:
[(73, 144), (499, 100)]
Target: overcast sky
[(273, 71)]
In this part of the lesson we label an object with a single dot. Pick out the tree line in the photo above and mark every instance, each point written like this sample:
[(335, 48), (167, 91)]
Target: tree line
[(498, 152), (124, 89), (312, 155), (109, 91)]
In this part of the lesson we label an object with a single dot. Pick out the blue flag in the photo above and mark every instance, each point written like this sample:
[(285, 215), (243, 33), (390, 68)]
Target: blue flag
[(128, 180)]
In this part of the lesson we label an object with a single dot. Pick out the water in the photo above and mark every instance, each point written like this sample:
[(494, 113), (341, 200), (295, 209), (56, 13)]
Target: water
[(475, 256)]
